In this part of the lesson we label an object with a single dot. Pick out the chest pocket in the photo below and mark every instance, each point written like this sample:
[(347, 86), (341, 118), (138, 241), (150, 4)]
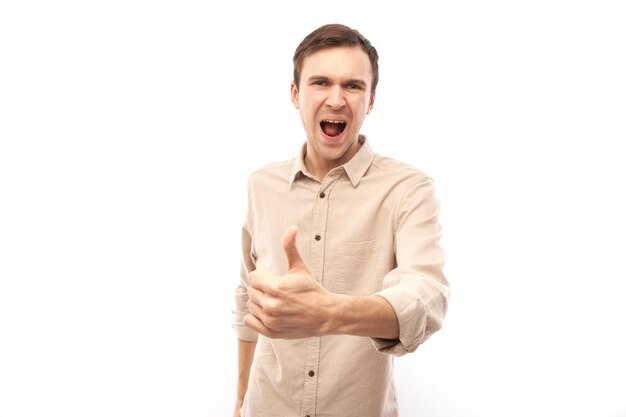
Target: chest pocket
[(360, 267)]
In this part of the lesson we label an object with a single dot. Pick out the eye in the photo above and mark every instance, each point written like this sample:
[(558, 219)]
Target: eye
[(319, 82), (353, 86)]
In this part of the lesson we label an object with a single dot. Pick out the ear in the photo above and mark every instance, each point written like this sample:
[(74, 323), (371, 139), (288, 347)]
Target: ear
[(294, 95), (371, 103)]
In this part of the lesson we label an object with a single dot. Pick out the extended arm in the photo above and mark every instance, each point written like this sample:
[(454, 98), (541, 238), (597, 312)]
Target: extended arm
[(295, 305), (410, 307)]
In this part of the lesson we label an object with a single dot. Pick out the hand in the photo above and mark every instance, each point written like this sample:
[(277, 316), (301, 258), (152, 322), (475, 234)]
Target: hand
[(291, 306)]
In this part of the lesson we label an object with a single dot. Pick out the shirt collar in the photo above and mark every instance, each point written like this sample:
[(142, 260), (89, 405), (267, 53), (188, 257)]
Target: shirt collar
[(355, 168), (360, 162), (298, 166)]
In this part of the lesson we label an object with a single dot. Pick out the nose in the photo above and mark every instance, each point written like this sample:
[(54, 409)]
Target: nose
[(335, 99)]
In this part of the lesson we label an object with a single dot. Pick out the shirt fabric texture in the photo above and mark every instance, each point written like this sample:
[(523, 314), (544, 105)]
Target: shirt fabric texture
[(369, 227)]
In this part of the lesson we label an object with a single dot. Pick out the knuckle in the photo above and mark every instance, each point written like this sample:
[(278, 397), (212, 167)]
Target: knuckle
[(272, 307), (271, 323), (282, 286)]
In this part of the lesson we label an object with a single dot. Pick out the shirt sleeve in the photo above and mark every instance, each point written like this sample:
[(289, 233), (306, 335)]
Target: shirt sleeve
[(417, 288), (248, 264)]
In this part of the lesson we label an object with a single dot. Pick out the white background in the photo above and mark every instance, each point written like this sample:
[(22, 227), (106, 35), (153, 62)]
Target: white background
[(127, 132)]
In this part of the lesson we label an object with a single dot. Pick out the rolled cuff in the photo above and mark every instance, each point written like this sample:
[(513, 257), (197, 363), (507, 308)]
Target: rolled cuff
[(412, 316), (243, 332)]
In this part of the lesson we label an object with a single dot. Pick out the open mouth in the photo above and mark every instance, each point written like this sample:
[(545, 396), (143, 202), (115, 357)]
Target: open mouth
[(332, 128)]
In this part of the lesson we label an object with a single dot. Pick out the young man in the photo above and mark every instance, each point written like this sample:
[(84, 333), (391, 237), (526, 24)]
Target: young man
[(341, 264)]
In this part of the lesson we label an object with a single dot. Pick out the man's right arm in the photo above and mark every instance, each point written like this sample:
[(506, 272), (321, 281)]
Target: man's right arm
[(246, 338), (245, 354)]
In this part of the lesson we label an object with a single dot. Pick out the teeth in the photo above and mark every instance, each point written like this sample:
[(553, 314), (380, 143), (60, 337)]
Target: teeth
[(333, 121)]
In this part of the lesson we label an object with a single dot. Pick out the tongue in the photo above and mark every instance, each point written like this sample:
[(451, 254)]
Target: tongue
[(332, 129)]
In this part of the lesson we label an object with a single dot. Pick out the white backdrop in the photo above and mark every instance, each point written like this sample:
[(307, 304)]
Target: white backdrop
[(127, 132)]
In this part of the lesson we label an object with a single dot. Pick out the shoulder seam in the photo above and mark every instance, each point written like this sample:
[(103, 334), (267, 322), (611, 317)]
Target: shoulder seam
[(402, 199)]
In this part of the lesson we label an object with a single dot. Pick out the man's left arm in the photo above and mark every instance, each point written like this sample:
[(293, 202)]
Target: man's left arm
[(408, 309), (295, 305)]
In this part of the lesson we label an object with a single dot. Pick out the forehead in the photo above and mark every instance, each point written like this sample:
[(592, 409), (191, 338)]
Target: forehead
[(344, 62)]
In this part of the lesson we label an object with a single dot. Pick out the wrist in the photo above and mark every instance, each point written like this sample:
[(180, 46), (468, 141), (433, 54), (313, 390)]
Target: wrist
[(341, 314), (330, 310)]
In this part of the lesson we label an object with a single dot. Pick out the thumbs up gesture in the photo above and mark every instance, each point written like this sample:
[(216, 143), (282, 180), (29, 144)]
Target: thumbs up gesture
[(295, 263), (290, 306)]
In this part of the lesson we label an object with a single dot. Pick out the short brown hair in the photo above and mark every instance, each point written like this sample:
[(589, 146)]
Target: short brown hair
[(332, 35)]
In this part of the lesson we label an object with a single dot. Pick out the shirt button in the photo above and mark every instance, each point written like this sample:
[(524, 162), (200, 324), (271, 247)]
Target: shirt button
[(318, 237), (311, 373), (322, 195)]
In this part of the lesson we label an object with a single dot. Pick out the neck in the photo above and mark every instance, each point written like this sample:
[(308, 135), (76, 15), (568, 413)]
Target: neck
[(319, 166)]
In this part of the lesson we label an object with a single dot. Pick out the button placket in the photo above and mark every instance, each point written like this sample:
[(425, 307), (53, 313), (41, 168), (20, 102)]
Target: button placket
[(320, 215), (321, 209)]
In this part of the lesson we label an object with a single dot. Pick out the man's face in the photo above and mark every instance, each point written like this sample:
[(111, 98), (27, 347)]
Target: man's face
[(333, 98)]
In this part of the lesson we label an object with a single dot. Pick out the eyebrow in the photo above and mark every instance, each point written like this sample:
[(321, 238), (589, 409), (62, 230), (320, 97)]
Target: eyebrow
[(358, 82), (350, 81)]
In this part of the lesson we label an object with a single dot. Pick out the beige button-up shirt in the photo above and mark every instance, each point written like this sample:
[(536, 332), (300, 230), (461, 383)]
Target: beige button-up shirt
[(369, 227)]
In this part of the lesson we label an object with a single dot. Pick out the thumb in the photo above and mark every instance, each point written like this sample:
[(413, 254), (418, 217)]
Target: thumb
[(294, 259)]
